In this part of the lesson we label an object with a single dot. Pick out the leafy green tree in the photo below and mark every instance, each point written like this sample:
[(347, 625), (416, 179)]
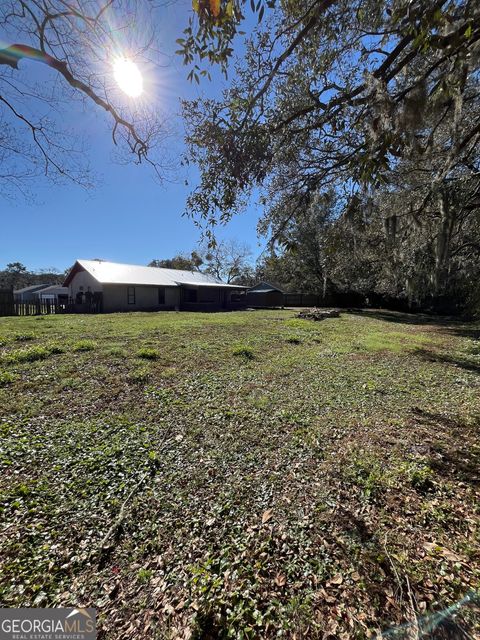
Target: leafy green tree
[(375, 102), (191, 262), (330, 93), (304, 242)]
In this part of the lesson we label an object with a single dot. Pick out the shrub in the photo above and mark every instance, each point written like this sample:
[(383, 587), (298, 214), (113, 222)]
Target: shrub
[(84, 345), (294, 340), (244, 352), (148, 353), (6, 378)]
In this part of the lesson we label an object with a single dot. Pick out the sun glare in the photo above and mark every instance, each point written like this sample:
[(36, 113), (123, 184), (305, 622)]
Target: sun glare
[(128, 77)]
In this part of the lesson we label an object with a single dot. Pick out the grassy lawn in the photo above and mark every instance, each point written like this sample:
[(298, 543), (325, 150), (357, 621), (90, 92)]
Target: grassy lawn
[(240, 475)]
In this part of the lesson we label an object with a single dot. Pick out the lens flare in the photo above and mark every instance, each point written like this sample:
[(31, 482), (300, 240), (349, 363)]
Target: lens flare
[(128, 77)]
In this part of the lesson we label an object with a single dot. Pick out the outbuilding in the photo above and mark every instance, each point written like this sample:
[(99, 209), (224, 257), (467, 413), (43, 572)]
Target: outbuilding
[(265, 294), (27, 294), (54, 293)]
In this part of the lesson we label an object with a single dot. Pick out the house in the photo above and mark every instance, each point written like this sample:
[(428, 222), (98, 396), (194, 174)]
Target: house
[(265, 294), (27, 294), (98, 285)]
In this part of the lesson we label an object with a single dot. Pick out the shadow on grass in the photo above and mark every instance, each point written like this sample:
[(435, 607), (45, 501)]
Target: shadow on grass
[(401, 317), (450, 324), (461, 462), (461, 363)]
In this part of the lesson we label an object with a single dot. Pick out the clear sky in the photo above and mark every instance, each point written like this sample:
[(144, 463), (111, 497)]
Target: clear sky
[(128, 216)]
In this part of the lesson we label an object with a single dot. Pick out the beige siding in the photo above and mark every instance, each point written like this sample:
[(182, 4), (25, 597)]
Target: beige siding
[(85, 280), (115, 298)]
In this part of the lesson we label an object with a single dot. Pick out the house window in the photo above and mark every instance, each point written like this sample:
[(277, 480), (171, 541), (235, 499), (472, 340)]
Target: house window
[(161, 295), (191, 295), (131, 295)]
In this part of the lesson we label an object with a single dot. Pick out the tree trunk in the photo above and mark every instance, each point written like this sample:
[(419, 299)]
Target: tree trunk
[(442, 249)]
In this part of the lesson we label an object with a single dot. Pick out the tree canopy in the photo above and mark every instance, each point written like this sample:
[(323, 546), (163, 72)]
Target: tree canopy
[(17, 275), (191, 262), (336, 93), (370, 106)]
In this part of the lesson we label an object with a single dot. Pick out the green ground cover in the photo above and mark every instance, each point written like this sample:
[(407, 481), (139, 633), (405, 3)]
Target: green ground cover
[(240, 475)]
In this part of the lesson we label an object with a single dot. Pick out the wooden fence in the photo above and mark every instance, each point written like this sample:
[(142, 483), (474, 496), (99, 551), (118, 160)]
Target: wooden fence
[(303, 300), (37, 309), (40, 308), (11, 307), (7, 307)]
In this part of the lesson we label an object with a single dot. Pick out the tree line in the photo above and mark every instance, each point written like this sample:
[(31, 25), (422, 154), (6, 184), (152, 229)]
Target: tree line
[(359, 123), (16, 275)]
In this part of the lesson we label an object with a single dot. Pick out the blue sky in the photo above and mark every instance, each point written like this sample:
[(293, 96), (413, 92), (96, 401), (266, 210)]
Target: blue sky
[(128, 216)]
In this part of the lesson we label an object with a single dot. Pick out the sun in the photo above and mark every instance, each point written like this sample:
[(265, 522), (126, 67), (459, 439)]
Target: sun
[(128, 77)]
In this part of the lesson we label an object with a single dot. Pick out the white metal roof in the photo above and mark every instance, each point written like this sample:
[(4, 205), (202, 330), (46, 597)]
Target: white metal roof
[(54, 288), (117, 273), (32, 288)]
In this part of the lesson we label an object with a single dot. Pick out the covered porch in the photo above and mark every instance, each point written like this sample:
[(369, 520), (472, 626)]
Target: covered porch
[(200, 297)]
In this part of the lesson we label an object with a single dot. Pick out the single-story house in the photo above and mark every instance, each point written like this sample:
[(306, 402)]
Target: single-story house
[(27, 294), (98, 285), (265, 294)]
